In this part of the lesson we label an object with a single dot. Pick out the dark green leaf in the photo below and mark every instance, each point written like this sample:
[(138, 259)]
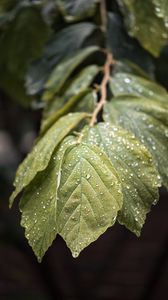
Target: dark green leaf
[(16, 50), (125, 47), (148, 120), (126, 66), (77, 9), (63, 44), (21, 42), (63, 70), (134, 166), (128, 84), (147, 22), (73, 94)]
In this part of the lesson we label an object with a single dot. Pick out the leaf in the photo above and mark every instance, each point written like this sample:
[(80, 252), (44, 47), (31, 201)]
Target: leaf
[(146, 21), (74, 10), (9, 10), (89, 196), (63, 70), (16, 51), (148, 120), (6, 5), (63, 44), (17, 90), (64, 109), (126, 66), (38, 159), (87, 103), (134, 165), (161, 9), (81, 81), (75, 91), (39, 203), (129, 84), (125, 47)]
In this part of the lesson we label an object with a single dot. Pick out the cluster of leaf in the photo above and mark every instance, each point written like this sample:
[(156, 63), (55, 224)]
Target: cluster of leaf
[(80, 179)]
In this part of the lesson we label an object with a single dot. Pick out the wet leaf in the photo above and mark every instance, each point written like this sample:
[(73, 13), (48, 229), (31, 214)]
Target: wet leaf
[(39, 204), (38, 159), (147, 21), (148, 120), (126, 66), (89, 196), (135, 167), (129, 84), (161, 9)]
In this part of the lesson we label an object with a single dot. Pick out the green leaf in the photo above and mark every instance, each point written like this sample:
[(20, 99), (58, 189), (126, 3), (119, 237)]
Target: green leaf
[(89, 196), (17, 90), (8, 11), (125, 47), (134, 165), (148, 120), (64, 109), (63, 44), (87, 103), (39, 204), (126, 66), (147, 22), (38, 159), (161, 9), (16, 50), (128, 84), (78, 9), (63, 70), (6, 5), (73, 94)]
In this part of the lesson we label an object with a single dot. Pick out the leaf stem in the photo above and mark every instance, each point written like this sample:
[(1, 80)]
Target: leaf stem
[(103, 88)]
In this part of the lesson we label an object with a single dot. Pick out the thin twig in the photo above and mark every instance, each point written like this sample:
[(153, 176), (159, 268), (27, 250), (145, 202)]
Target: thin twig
[(103, 88), (103, 13)]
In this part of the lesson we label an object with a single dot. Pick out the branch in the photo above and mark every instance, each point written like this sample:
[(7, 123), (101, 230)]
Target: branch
[(103, 88), (103, 14)]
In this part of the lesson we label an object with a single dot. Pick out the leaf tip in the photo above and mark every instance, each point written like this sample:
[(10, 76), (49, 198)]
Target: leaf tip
[(75, 254)]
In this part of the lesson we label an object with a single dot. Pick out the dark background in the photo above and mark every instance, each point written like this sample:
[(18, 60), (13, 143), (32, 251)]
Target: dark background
[(118, 266)]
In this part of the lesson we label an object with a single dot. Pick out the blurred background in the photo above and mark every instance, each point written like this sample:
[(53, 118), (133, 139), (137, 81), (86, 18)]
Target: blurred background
[(118, 266)]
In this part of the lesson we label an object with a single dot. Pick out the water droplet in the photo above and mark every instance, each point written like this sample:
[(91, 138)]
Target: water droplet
[(127, 80), (155, 202), (75, 254)]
